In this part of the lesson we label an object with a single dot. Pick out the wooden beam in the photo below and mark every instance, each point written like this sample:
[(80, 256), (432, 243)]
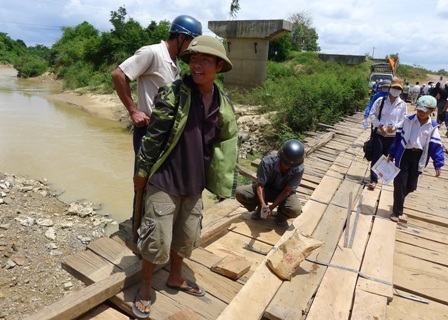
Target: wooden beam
[(379, 259), (79, 302)]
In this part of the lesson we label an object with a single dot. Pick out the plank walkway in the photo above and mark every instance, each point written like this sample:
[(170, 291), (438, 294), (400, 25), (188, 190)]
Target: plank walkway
[(374, 269)]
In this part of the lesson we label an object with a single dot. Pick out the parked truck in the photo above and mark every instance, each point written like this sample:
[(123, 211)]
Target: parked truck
[(382, 71)]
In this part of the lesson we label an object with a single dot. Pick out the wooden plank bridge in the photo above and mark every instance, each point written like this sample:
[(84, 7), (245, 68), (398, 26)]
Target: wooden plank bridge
[(368, 268)]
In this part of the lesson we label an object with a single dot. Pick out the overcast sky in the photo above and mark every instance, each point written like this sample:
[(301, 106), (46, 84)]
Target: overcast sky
[(416, 30)]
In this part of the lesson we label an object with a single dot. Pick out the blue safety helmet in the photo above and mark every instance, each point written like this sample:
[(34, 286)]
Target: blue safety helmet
[(187, 25), (292, 153)]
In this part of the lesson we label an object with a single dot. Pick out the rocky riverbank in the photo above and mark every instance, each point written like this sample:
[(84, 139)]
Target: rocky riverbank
[(36, 232)]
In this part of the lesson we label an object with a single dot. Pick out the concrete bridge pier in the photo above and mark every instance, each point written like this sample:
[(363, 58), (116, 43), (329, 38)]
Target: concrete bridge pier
[(247, 48)]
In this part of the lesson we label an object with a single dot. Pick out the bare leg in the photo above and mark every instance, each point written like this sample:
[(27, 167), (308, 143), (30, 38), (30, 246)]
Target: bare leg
[(145, 288), (175, 278)]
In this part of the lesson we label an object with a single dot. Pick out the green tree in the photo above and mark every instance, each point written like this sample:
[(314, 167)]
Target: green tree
[(279, 48), (303, 35), (234, 8), (70, 49), (128, 33)]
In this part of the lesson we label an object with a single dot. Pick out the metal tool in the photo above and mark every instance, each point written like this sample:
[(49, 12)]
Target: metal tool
[(251, 248), (355, 223), (411, 297)]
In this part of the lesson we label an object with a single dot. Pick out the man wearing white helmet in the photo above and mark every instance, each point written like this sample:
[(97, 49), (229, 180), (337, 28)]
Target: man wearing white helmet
[(416, 141)]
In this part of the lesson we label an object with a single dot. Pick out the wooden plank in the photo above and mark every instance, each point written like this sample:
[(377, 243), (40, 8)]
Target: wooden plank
[(231, 266), (341, 198), (309, 176), (324, 192), (208, 307), (88, 267), (252, 176), (314, 144), (104, 289), (425, 234), (398, 314), (185, 314), (86, 299), (369, 306), (308, 277), (266, 231), (213, 229), (427, 217), (263, 284), (221, 210), (216, 285), (379, 259), (416, 241), (409, 308), (422, 253), (370, 200), (103, 312), (420, 277), (333, 300), (385, 204), (113, 252), (162, 306), (233, 243)]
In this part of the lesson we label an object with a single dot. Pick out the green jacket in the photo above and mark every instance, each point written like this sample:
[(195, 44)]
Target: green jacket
[(168, 120)]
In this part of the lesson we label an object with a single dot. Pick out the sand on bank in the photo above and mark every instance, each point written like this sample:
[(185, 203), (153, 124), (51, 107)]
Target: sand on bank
[(107, 106)]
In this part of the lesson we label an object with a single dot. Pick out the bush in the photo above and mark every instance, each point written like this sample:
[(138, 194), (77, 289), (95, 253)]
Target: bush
[(305, 91), (29, 66)]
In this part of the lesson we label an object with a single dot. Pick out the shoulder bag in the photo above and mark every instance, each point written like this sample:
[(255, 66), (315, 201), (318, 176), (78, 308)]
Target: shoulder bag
[(368, 145)]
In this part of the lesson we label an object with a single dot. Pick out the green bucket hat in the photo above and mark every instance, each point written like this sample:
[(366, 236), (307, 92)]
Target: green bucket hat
[(207, 45)]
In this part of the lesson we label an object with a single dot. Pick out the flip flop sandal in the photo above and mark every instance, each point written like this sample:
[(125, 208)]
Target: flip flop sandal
[(188, 289), (394, 218), (145, 303)]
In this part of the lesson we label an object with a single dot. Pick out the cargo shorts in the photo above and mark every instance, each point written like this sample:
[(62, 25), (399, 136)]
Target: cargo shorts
[(169, 223)]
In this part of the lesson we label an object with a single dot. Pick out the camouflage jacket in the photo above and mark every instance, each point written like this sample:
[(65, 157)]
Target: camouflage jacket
[(168, 120)]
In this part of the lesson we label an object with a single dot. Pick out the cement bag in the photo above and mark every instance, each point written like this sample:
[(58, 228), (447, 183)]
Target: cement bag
[(287, 257)]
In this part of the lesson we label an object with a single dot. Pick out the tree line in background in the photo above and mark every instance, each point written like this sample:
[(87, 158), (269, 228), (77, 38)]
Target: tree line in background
[(300, 90)]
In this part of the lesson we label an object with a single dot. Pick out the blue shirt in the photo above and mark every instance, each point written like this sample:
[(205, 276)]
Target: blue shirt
[(269, 174), (372, 100)]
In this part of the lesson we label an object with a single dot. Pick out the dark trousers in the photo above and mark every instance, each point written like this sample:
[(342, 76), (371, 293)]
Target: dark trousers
[(406, 180), (247, 196), (381, 145), (137, 136)]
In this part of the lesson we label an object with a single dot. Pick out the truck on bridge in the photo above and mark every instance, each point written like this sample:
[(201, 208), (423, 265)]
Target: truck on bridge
[(382, 71)]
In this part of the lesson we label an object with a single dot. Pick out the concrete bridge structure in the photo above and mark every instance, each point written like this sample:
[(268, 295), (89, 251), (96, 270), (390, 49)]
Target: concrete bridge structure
[(247, 48)]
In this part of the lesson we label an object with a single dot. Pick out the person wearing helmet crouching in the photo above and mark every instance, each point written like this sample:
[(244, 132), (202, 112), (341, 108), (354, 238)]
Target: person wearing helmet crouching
[(191, 144), (416, 141), (278, 177)]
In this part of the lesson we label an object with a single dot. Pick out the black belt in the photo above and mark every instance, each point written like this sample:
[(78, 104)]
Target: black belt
[(415, 149)]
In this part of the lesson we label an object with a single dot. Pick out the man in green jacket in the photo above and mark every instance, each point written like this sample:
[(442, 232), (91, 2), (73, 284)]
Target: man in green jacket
[(191, 144)]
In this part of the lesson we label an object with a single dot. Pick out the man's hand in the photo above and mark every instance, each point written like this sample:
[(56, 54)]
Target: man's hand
[(139, 119), (140, 182), (391, 130), (438, 171)]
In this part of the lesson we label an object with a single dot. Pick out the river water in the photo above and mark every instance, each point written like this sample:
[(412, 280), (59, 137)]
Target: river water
[(86, 157)]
